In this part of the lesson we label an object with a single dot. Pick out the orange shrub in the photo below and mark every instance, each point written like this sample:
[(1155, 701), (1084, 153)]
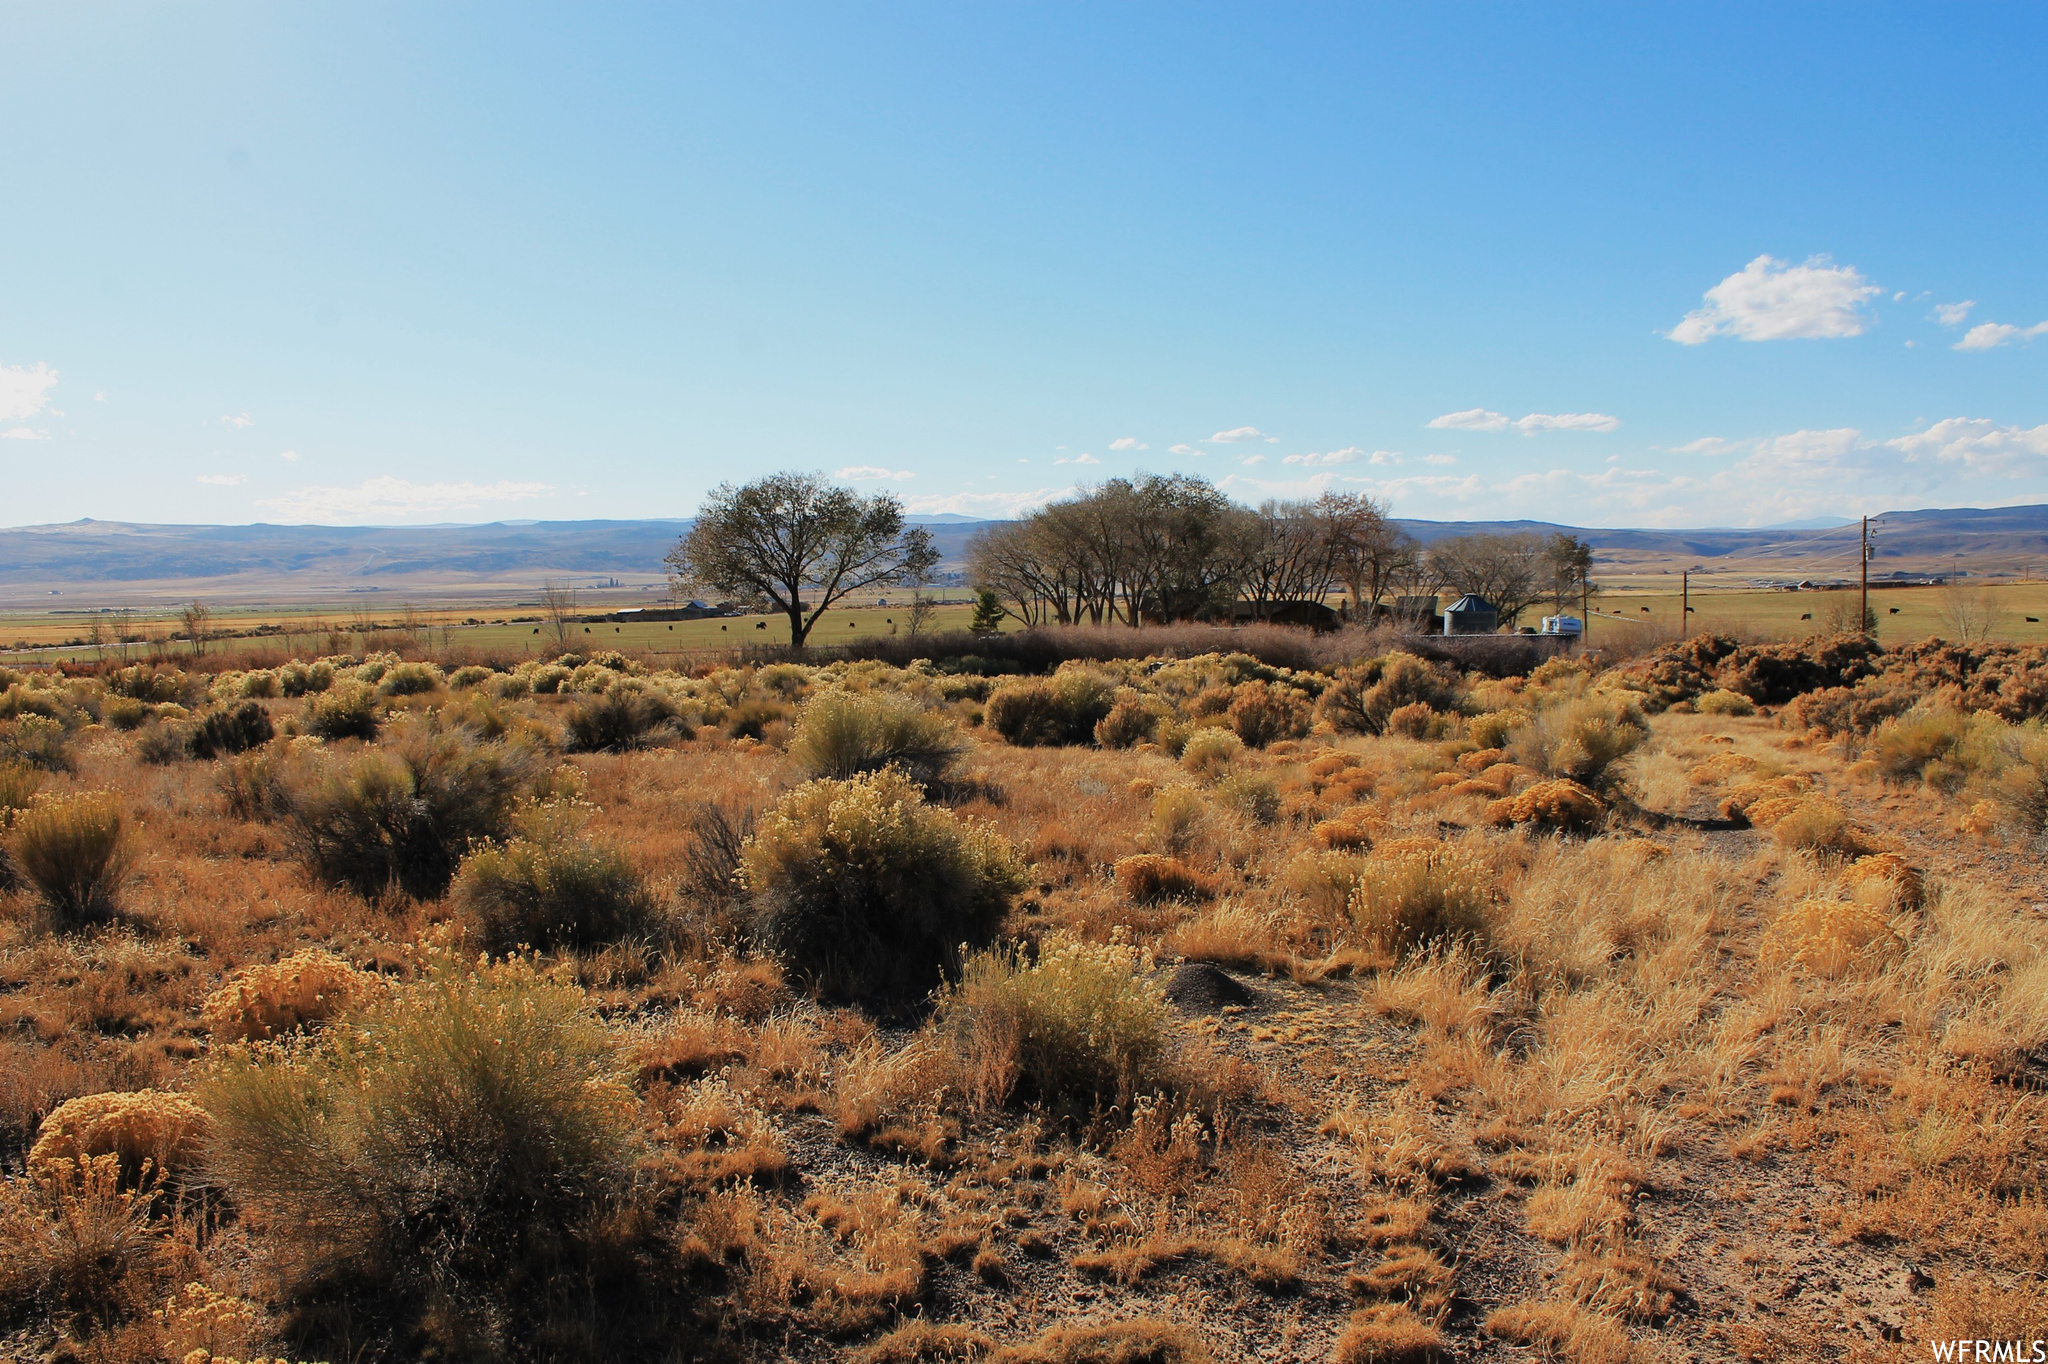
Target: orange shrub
[(167, 1130), (1345, 831), (1889, 875), (1262, 713), (1560, 804), (262, 1002), (1833, 938), (1148, 878)]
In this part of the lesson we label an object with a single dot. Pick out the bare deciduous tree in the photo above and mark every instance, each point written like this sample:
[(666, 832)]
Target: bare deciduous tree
[(774, 540), (195, 618), (1367, 550), (558, 607), (1510, 571), (1969, 614)]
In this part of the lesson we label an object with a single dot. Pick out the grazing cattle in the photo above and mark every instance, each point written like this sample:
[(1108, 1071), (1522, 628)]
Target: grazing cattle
[(1646, 610), (760, 625), (1807, 616), (1895, 610), (2033, 620)]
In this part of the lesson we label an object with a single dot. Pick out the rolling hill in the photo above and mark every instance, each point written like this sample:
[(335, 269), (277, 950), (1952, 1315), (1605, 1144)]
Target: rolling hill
[(112, 560)]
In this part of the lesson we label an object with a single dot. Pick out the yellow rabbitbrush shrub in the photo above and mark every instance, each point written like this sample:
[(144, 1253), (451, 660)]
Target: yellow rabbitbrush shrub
[(1818, 824), (165, 1130), (1744, 798), (262, 1002), (1833, 938), (1495, 780), (199, 1322), (1553, 804), (1887, 876), (1347, 832)]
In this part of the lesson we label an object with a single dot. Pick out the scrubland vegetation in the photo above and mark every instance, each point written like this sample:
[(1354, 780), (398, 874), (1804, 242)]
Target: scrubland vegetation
[(1333, 1003)]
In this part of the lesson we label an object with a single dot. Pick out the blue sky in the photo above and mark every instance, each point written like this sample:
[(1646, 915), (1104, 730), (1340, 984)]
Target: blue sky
[(1612, 265)]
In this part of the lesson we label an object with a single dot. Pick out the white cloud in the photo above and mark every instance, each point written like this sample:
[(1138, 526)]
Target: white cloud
[(23, 433), (1239, 435), (291, 455), (1249, 460), (1566, 421), (1985, 335), (1128, 443), (1802, 454), (1182, 450), (1471, 419), (387, 498), (871, 473), (1952, 314), (1344, 456), (224, 480), (1979, 446), (1440, 459), (996, 506), (1771, 300), (1707, 445), (1485, 419), (1083, 458), (25, 390), (241, 421)]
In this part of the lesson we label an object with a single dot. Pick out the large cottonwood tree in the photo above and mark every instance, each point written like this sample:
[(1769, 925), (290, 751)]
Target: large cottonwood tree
[(774, 540)]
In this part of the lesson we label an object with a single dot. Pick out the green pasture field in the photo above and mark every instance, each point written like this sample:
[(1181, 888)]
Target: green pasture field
[(310, 632), (1904, 615)]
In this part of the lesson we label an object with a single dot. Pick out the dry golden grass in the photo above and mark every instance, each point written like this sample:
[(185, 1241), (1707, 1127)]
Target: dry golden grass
[(1614, 1068)]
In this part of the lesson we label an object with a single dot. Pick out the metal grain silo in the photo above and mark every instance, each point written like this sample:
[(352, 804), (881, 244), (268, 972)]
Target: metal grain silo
[(1471, 615)]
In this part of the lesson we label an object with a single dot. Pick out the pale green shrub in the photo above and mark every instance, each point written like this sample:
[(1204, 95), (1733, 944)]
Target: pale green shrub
[(303, 679), (842, 734), (1724, 703), (402, 818), (346, 710), (1412, 897), (1254, 795), (1582, 739), (1079, 1027), (552, 889), (1209, 751), (452, 1142), (409, 679), (866, 892), (70, 848)]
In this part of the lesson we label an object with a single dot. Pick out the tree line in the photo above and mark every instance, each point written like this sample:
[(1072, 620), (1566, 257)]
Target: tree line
[(1160, 548), (1152, 549)]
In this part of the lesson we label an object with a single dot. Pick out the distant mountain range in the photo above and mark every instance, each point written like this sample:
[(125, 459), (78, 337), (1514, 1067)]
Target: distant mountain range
[(113, 557)]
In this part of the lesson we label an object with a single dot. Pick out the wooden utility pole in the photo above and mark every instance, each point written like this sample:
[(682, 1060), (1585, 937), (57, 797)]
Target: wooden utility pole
[(1685, 604), (1863, 620)]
